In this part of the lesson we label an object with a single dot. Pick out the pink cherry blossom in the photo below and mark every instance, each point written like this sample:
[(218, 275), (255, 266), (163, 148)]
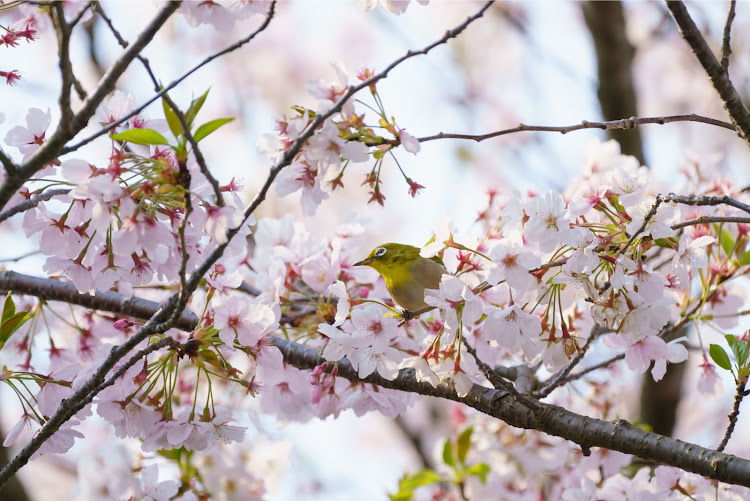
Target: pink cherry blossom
[(584, 258), (443, 234), (548, 222), (511, 262), (409, 142), (510, 326), (319, 272), (28, 139), (344, 303), (690, 255), (369, 322), (249, 322), (367, 360), (342, 344), (155, 490), (328, 148), (302, 176), (453, 292), (710, 384)]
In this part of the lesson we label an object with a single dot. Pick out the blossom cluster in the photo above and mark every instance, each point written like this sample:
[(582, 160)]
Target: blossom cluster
[(540, 278)]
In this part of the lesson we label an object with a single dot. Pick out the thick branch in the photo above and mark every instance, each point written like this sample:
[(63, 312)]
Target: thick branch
[(718, 75), (550, 419), (614, 59)]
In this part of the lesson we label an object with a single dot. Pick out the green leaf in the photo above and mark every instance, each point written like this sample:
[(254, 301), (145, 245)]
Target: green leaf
[(208, 127), (665, 243), (410, 483), (12, 324), (174, 123), (745, 259), (464, 443), (448, 454), (140, 136), (481, 470), (739, 349), (195, 107), (720, 357), (9, 309), (725, 240)]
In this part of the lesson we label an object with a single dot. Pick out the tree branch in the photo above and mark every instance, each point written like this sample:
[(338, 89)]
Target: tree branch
[(718, 75), (614, 58), (702, 200), (547, 418), (559, 379), (625, 123), (32, 202), (711, 219), (726, 46), (739, 395)]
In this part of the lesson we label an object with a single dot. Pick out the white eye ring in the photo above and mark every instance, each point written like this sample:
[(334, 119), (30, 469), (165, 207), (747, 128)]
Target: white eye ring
[(381, 251)]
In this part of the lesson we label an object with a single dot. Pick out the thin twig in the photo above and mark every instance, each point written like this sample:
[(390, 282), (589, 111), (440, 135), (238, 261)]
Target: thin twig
[(18, 258), (702, 200), (66, 70), (711, 219), (738, 396), (626, 123), (180, 115), (726, 46), (173, 84), (640, 230), (558, 380), (499, 383), (32, 202), (165, 341)]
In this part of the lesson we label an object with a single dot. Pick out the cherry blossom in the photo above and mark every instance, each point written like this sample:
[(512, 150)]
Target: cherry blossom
[(369, 322), (690, 255), (548, 222), (249, 322), (512, 263), (510, 326), (344, 303), (28, 139), (453, 292), (155, 490), (397, 7), (443, 235)]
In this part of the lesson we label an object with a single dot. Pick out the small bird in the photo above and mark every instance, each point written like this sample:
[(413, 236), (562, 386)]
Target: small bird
[(406, 273)]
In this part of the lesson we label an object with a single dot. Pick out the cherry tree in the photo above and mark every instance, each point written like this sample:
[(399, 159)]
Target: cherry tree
[(174, 302)]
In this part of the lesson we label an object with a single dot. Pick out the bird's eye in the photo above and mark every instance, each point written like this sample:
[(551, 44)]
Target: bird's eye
[(380, 251)]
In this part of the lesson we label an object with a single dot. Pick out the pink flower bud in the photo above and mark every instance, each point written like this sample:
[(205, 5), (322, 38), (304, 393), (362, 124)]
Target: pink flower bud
[(123, 324)]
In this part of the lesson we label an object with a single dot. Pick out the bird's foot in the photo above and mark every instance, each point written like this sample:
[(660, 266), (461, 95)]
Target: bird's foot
[(407, 315)]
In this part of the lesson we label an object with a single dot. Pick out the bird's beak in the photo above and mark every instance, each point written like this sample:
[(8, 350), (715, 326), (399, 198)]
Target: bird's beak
[(364, 262)]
